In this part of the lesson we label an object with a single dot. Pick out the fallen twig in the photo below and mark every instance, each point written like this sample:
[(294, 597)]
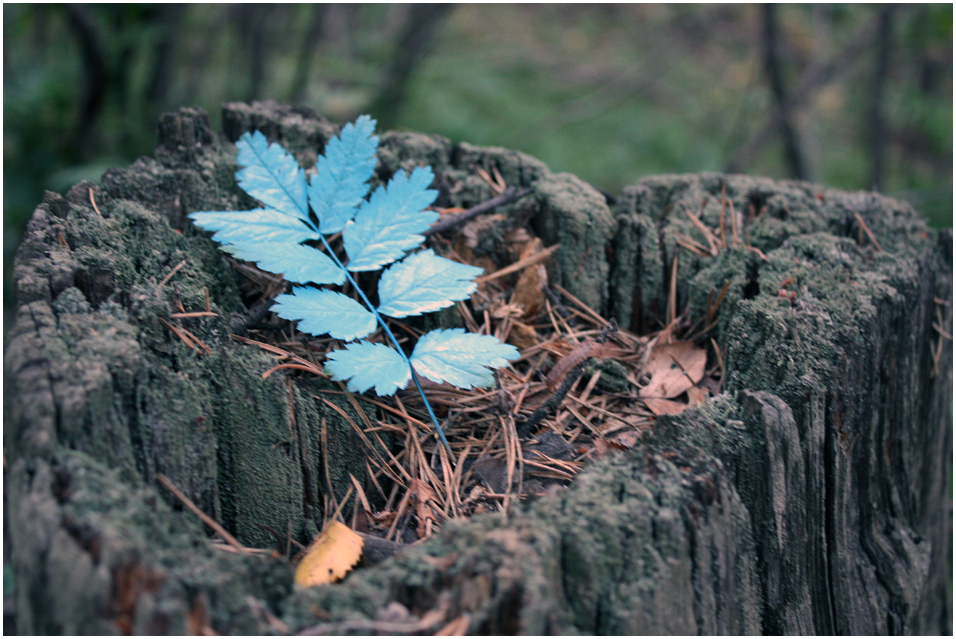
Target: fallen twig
[(168, 275), (209, 521), (509, 195)]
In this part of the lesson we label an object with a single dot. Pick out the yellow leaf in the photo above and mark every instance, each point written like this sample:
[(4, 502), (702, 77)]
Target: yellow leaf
[(330, 557)]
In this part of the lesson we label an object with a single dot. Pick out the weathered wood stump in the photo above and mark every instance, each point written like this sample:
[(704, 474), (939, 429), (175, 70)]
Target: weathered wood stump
[(810, 497)]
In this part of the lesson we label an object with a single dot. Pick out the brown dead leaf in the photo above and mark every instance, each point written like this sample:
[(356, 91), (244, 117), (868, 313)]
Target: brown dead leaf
[(468, 240), (517, 241), (673, 368), (627, 439), (697, 396), (603, 446), (665, 406), (331, 556), (528, 292), (522, 336)]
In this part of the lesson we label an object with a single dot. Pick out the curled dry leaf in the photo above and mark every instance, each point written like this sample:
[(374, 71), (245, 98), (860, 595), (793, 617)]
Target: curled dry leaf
[(627, 439), (331, 556), (522, 336), (696, 396), (674, 368), (529, 289)]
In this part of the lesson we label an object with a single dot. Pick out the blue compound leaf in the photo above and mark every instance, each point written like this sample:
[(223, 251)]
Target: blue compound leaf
[(257, 225), (424, 283), (390, 222), (461, 359), (321, 311), (365, 365), (342, 174), (296, 262), (272, 175), (375, 232)]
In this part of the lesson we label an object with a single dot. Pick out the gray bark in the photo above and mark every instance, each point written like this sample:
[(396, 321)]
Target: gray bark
[(809, 497)]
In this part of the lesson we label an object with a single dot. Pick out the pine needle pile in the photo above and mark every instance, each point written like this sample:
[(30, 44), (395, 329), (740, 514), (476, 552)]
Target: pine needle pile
[(581, 388), (512, 402)]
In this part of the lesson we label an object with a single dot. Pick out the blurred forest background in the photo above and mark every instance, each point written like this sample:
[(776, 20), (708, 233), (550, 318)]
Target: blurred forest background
[(853, 96)]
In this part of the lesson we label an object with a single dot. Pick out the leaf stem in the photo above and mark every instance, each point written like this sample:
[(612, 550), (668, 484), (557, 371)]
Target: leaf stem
[(391, 337)]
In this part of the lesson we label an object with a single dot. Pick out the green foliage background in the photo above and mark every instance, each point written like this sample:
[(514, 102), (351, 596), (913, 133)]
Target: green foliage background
[(609, 92)]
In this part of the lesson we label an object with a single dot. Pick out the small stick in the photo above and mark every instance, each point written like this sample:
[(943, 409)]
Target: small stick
[(171, 273), (584, 307), (368, 444), (520, 264), (360, 492), (559, 307), (196, 314), (198, 341), (209, 521), (723, 210), (733, 223), (691, 245), (299, 367), (584, 420), (177, 300), (181, 335), (672, 296), (371, 475), (93, 202), (493, 182), (451, 221), (706, 231), (868, 232), (712, 310), (338, 510)]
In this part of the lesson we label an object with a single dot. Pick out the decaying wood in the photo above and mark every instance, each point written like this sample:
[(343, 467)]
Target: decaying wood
[(808, 496)]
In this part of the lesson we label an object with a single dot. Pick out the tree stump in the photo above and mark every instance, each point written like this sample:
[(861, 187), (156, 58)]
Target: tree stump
[(811, 496)]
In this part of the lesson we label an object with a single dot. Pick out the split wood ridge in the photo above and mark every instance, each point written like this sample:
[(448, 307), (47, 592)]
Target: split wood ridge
[(580, 389)]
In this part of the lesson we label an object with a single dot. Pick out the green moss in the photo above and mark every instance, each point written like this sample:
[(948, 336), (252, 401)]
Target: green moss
[(574, 214)]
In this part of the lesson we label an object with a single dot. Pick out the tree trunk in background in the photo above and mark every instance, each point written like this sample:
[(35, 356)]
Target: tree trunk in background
[(252, 21), (810, 497), (300, 81), (876, 129), (170, 18), (791, 137), (813, 79), (421, 28), (95, 71)]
